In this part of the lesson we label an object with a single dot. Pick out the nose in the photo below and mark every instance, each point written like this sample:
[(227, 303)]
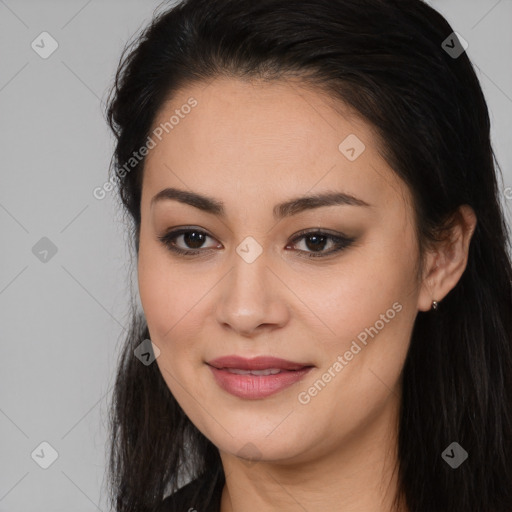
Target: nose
[(252, 298)]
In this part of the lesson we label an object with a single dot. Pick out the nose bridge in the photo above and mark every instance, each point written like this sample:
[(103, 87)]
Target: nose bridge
[(250, 296), (246, 281)]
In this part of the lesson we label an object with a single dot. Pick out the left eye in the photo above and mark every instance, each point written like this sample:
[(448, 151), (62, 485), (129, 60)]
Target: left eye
[(315, 241)]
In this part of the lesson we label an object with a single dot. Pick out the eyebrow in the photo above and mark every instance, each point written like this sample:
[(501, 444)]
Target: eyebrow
[(286, 209)]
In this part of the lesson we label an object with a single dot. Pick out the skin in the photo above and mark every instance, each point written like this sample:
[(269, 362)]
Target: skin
[(252, 145)]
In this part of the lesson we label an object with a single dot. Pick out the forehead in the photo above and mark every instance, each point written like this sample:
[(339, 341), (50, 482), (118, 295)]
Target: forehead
[(265, 138)]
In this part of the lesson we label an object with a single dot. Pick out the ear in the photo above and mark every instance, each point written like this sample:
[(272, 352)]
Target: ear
[(446, 262)]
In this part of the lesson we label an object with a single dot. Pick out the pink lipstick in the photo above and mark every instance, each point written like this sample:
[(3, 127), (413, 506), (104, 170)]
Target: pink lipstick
[(258, 377)]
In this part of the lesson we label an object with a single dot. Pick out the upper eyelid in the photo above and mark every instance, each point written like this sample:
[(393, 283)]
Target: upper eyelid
[(173, 234), (303, 232)]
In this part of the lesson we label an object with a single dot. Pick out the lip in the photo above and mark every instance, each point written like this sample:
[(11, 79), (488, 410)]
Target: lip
[(255, 363), (254, 387)]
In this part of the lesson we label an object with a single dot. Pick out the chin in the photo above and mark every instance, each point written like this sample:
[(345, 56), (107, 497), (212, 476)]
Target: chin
[(256, 441)]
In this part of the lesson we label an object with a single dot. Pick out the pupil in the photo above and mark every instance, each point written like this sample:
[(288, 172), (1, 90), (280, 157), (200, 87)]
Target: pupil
[(192, 238), (320, 239)]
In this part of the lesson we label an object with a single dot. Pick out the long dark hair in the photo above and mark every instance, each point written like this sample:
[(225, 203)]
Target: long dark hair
[(386, 59)]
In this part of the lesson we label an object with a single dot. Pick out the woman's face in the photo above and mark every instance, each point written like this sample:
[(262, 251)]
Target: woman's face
[(340, 311)]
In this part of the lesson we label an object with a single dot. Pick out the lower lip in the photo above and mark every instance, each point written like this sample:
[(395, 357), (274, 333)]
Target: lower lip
[(253, 387)]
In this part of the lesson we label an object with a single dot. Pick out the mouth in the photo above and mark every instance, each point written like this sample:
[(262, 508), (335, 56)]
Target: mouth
[(258, 377), (268, 371), (255, 364)]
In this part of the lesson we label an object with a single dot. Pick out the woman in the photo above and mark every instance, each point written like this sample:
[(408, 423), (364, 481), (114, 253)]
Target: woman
[(322, 264)]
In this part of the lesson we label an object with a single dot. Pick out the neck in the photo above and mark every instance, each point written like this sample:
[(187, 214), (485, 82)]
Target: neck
[(358, 475)]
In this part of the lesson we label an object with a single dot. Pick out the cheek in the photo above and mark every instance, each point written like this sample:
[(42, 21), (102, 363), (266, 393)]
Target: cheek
[(369, 306), (173, 302), (353, 297), (370, 319), (172, 311), (165, 310), (159, 287), (153, 289), (372, 313)]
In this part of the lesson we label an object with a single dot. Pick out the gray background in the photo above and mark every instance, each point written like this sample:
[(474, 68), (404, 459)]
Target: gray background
[(62, 321)]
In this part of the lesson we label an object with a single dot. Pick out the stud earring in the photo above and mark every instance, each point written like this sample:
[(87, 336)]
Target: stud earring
[(435, 305)]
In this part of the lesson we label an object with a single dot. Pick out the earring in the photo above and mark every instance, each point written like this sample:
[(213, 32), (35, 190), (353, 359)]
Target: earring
[(435, 305)]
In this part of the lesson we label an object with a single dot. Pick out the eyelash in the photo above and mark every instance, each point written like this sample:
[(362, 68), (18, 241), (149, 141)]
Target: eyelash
[(341, 242)]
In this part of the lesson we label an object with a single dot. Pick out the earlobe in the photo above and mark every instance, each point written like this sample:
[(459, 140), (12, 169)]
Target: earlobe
[(428, 292), (447, 262)]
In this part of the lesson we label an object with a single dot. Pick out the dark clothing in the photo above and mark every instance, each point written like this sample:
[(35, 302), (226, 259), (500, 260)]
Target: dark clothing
[(186, 499)]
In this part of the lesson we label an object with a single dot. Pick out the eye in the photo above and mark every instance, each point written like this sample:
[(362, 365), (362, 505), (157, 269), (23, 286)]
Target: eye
[(314, 242), (193, 239)]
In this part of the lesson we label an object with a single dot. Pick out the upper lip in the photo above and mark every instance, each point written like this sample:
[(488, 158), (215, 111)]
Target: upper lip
[(255, 363)]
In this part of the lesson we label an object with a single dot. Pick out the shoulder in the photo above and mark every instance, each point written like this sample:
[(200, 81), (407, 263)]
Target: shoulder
[(186, 499)]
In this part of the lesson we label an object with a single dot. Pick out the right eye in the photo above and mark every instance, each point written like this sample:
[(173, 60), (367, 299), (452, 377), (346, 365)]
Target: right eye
[(191, 237)]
